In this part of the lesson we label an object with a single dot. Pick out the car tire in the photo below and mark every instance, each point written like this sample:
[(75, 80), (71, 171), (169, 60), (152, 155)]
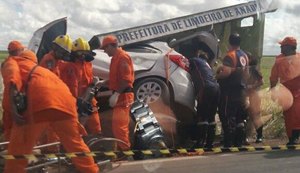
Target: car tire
[(161, 107), (153, 90)]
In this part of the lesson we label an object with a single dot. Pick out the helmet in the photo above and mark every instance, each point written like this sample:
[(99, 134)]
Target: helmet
[(64, 41), (80, 44), (235, 39)]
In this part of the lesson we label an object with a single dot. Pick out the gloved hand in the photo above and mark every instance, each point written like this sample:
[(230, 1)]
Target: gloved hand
[(114, 99), (84, 108)]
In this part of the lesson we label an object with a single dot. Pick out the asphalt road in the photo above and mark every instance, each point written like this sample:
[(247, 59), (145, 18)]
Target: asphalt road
[(256, 162)]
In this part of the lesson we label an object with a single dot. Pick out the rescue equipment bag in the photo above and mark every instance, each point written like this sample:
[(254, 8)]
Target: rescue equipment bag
[(20, 98)]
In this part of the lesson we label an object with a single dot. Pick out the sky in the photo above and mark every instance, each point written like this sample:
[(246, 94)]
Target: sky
[(20, 18)]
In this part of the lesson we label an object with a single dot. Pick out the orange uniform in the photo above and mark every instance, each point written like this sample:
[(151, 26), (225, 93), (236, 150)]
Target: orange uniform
[(50, 103), (121, 75), (78, 76), (286, 69), (50, 62), (71, 75), (8, 73)]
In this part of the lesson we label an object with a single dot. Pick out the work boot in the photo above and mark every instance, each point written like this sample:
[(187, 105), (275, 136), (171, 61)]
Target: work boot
[(259, 135), (182, 134), (202, 131), (211, 131), (294, 137), (228, 138), (239, 136)]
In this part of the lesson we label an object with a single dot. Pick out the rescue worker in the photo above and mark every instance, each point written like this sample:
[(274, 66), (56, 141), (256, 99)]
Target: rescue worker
[(61, 49), (286, 71), (231, 77), (121, 78), (78, 75), (207, 95), (254, 82), (15, 48), (53, 106)]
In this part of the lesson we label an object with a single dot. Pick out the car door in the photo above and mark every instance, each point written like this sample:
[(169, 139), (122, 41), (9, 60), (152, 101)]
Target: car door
[(42, 38), (206, 40)]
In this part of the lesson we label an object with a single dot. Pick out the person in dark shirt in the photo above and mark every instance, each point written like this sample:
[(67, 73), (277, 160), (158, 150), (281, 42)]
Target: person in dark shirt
[(207, 96), (232, 76)]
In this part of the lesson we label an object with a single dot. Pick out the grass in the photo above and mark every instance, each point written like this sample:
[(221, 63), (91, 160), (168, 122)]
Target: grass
[(275, 128), (3, 55), (266, 64)]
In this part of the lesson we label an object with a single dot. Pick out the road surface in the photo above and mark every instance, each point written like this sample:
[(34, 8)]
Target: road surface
[(250, 162)]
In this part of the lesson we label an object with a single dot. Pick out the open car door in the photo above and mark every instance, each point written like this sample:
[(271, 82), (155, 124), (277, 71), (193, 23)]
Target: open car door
[(205, 40), (42, 38)]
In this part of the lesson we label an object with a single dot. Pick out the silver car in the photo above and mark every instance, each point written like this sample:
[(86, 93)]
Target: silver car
[(160, 73)]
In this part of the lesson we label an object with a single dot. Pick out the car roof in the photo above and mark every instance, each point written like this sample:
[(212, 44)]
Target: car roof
[(148, 47)]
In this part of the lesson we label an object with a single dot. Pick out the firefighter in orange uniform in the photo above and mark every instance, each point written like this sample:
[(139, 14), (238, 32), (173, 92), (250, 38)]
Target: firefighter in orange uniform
[(286, 70), (61, 49), (121, 78), (53, 106), (78, 75), (15, 48)]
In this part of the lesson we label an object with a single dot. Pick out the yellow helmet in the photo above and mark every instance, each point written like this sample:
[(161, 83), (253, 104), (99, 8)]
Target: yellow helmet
[(80, 44), (64, 41)]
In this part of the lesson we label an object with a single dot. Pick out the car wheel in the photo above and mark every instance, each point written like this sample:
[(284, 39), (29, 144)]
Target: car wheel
[(152, 90), (156, 94)]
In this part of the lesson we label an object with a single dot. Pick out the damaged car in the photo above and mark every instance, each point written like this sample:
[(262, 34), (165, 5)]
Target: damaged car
[(162, 79)]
